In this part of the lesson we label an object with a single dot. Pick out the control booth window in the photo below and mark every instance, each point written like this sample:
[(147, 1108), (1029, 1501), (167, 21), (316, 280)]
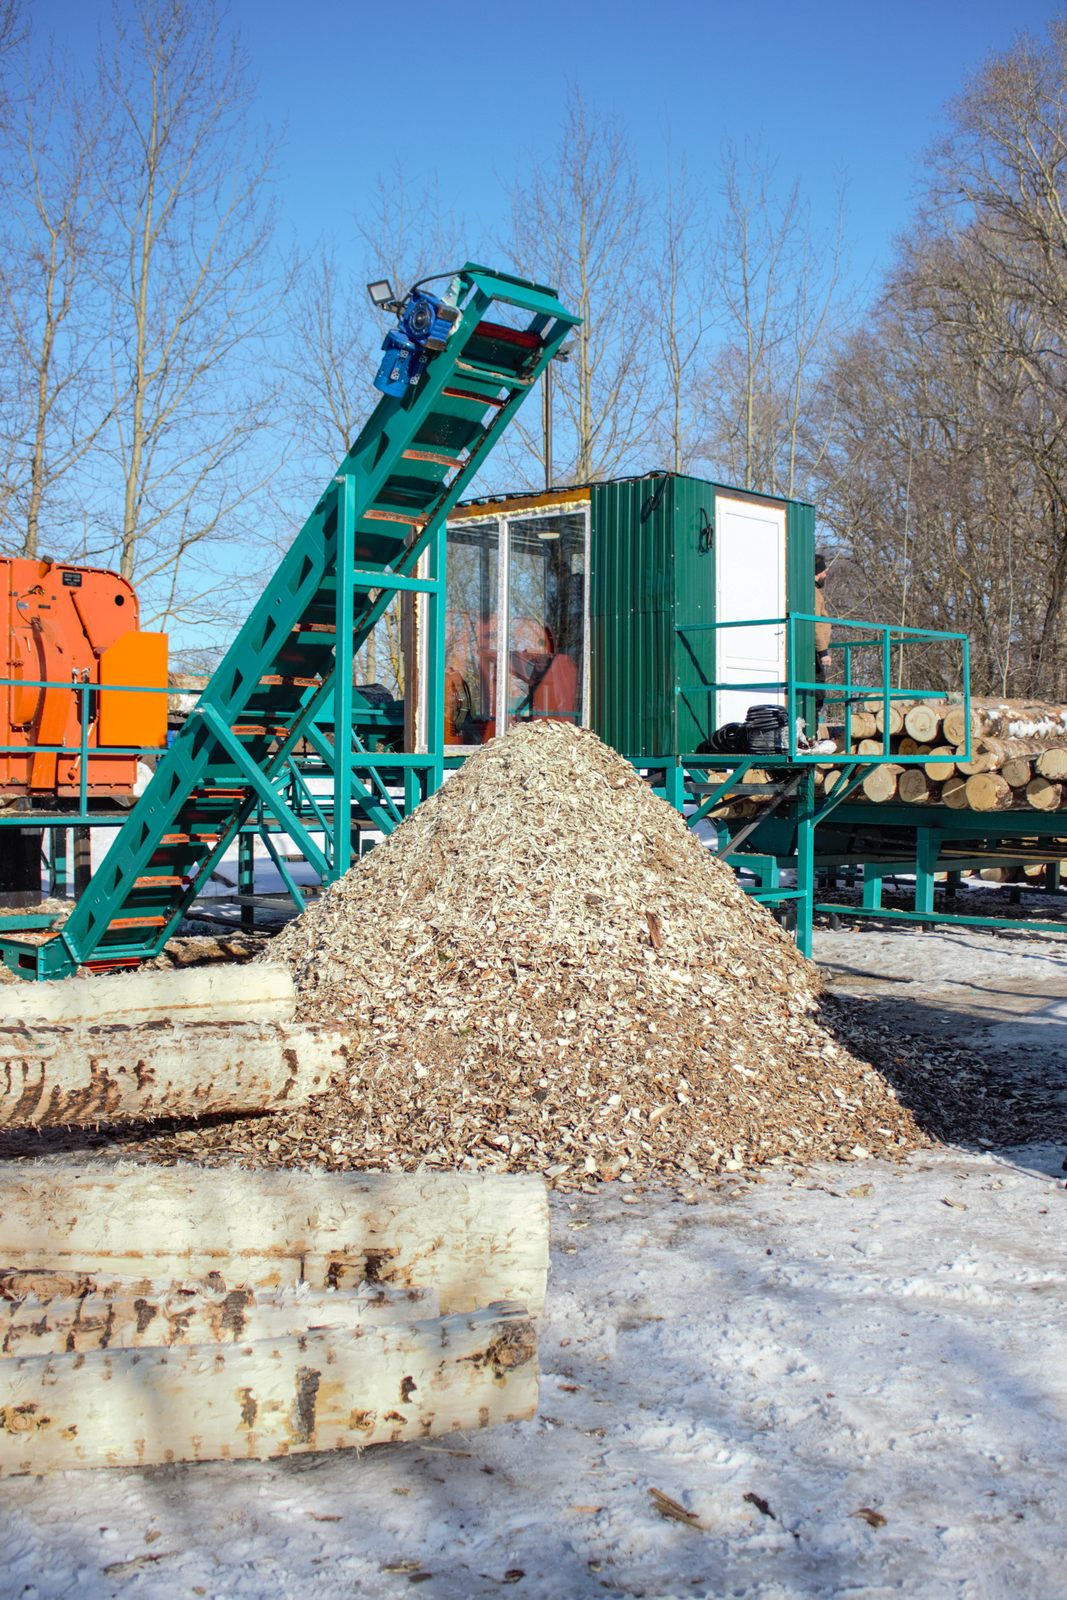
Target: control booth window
[(546, 617), (515, 623), (471, 644)]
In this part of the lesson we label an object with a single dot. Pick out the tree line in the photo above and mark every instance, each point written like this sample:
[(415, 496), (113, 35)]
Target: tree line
[(176, 382)]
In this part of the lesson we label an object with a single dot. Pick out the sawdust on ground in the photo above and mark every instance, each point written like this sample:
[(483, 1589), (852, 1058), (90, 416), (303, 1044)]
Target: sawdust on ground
[(542, 969)]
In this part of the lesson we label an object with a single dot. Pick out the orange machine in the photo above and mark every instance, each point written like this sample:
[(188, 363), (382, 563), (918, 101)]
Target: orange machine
[(70, 625)]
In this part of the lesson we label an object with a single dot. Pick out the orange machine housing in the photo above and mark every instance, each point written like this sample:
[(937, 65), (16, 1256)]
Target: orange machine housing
[(69, 625)]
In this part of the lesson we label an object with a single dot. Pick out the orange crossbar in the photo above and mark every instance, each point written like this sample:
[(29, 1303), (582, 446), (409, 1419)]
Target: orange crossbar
[(432, 455), (466, 394), (395, 516), (137, 922)]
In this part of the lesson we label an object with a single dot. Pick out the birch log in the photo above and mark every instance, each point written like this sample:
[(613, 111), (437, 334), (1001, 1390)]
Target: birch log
[(1052, 764), (171, 1315), (881, 783), (987, 791), (278, 1397), (79, 1076), (923, 722), (472, 1237), (251, 991), (915, 789), (942, 763), (1044, 795)]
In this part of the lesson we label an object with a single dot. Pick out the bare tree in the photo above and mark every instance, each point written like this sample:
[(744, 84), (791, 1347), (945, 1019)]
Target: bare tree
[(682, 276), (191, 223), (53, 410), (579, 224), (949, 474), (406, 234), (779, 285)]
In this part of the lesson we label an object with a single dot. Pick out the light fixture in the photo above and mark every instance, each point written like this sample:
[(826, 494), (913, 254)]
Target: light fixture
[(552, 532), (383, 297)]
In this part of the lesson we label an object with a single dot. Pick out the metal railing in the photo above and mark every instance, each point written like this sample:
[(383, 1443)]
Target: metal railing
[(800, 693)]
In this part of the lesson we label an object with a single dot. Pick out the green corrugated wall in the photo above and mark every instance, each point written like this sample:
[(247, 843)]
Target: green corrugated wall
[(650, 569)]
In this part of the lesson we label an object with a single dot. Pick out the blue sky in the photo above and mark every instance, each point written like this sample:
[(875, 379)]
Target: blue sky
[(833, 90)]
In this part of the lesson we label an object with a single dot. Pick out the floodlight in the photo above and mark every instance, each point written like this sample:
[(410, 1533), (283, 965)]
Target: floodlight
[(382, 295)]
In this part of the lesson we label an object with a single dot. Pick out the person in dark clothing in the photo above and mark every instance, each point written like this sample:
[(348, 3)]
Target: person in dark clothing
[(822, 629)]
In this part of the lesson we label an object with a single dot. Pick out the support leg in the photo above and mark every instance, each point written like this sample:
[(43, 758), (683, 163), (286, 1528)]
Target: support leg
[(83, 859), (246, 877), (805, 903), (927, 850), (872, 885), (58, 864)]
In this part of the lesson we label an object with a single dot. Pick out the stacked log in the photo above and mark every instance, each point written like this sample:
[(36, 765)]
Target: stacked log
[(1017, 759), (150, 1315)]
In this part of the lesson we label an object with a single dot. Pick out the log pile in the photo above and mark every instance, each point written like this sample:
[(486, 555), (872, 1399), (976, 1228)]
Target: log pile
[(543, 970), (1018, 756), (149, 1316)]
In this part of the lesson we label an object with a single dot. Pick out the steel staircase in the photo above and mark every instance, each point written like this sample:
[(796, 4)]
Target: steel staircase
[(360, 547)]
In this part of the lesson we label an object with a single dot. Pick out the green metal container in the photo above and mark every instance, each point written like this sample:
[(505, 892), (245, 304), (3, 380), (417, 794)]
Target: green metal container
[(652, 571)]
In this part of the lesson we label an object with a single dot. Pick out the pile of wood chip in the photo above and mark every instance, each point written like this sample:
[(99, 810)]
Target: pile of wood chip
[(543, 970)]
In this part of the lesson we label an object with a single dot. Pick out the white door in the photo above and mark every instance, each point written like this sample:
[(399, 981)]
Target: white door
[(749, 586)]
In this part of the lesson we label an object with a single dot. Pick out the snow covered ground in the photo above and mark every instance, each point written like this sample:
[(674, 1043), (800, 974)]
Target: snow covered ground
[(853, 1378)]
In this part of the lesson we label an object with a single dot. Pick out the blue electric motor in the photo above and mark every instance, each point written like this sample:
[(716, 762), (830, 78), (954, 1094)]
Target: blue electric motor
[(425, 323)]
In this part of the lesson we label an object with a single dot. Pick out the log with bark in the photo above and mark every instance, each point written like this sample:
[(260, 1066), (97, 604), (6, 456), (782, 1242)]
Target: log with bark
[(1044, 795), (987, 791)]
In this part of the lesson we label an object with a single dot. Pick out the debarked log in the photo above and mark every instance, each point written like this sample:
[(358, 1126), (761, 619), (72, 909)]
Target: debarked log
[(473, 1237), (167, 1314), (277, 1397), (251, 991), (76, 1076)]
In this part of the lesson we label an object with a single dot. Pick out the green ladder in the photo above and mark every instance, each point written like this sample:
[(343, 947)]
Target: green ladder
[(360, 547)]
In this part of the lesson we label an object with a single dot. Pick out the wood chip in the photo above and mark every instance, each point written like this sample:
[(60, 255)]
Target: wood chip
[(543, 969)]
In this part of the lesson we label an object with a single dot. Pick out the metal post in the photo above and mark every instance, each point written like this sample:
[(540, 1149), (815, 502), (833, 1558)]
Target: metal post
[(546, 420), (83, 859), (246, 876), (343, 672), (806, 862), (435, 663), (927, 850), (58, 880)]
